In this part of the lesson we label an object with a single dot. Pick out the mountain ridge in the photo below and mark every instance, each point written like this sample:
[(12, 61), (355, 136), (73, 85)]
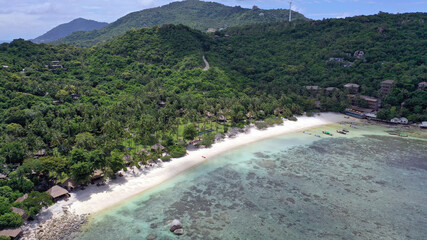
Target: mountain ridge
[(196, 14), (65, 29)]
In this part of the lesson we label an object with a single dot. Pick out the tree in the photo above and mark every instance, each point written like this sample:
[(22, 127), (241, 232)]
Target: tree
[(85, 140), (55, 164), (81, 172), (97, 159), (15, 129), (4, 205), (18, 181), (78, 155), (115, 162), (190, 132), (35, 202), (13, 152), (10, 220)]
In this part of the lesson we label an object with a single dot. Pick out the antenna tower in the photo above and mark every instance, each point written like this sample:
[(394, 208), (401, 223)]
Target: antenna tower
[(290, 11)]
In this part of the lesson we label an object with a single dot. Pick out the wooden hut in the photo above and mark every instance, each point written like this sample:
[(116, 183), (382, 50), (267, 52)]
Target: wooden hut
[(97, 174), (69, 184), (57, 192), (222, 118), (128, 159), (40, 153), (143, 151), (157, 146), (21, 199), (21, 212), (13, 233)]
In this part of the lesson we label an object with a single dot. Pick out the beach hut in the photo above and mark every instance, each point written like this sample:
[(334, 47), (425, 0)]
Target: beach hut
[(157, 146), (56, 192), (222, 119), (21, 212), (40, 153), (69, 184), (21, 199), (127, 158), (143, 151), (13, 233), (97, 174)]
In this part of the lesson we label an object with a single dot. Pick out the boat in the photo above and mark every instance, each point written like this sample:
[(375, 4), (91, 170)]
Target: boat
[(393, 133), (345, 130), (403, 135), (317, 135), (352, 126), (327, 133), (305, 132), (342, 132)]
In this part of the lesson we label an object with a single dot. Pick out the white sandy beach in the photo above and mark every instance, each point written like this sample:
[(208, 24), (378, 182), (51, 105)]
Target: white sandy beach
[(95, 199)]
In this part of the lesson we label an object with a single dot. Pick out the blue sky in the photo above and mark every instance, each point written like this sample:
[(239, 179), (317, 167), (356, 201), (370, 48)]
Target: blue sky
[(31, 18)]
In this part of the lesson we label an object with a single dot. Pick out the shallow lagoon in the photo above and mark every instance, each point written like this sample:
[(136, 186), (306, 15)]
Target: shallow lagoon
[(366, 185)]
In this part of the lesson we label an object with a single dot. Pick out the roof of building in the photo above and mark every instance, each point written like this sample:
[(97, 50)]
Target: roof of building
[(41, 152), (312, 87), (157, 146), (143, 151), (369, 99), (2, 176), (330, 88), (388, 82), (97, 174), (351, 85), (11, 232), (422, 84), (21, 199), (19, 211), (69, 183), (57, 191), (127, 158)]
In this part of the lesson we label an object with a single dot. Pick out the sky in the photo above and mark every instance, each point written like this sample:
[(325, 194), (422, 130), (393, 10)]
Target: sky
[(31, 18)]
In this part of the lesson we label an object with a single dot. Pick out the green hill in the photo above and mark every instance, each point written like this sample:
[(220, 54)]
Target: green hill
[(63, 30), (196, 14), (90, 107)]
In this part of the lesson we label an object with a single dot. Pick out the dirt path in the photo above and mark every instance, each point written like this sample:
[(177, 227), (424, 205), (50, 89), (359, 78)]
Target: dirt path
[(206, 63)]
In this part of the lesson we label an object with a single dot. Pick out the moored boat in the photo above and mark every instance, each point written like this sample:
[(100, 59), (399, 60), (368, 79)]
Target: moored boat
[(342, 132), (327, 133)]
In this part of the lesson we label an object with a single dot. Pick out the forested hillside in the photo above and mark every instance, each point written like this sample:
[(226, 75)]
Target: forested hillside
[(323, 53), (196, 14), (78, 110), (63, 30)]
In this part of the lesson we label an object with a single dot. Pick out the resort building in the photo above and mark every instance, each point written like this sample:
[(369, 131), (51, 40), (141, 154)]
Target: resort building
[(69, 184), (386, 87), (57, 192), (156, 147), (352, 88), (373, 103), (399, 120), (20, 212), (21, 199), (12, 233)]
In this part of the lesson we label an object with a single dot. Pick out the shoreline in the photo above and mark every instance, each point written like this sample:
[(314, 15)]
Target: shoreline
[(95, 199)]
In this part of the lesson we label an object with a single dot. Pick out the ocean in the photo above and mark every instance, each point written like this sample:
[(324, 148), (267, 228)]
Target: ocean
[(364, 185)]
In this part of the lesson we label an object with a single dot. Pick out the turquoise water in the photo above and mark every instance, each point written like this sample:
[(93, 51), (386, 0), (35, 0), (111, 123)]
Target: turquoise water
[(291, 187)]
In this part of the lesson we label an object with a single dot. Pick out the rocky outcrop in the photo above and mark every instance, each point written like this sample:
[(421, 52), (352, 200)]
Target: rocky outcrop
[(179, 231), (176, 224), (176, 227), (64, 227)]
